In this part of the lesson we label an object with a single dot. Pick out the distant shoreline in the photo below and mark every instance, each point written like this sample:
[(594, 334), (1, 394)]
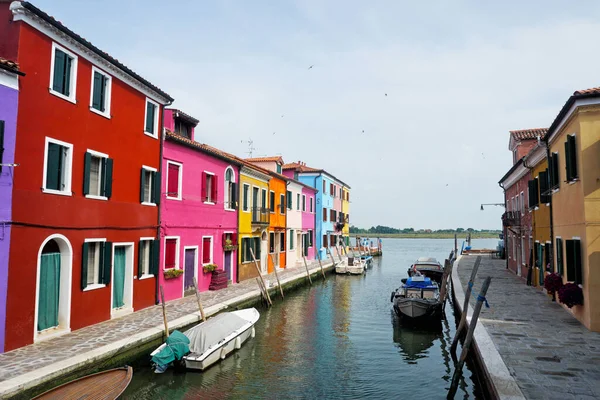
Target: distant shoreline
[(461, 236)]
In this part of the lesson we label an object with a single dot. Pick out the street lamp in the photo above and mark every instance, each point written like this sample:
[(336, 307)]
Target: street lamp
[(492, 204)]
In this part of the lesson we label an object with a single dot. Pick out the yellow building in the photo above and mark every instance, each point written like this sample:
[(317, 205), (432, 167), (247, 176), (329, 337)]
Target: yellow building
[(254, 217), (574, 143), (539, 206), (346, 213)]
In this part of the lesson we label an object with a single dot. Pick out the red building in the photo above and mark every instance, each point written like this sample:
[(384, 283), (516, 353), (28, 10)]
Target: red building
[(85, 195), (517, 220)]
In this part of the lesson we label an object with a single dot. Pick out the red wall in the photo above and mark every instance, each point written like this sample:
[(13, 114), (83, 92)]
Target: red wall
[(42, 114), (525, 227), (9, 33)]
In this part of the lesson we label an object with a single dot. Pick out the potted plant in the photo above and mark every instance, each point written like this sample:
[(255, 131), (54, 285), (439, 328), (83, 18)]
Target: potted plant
[(172, 273), (209, 268), (570, 294), (228, 245), (552, 283)]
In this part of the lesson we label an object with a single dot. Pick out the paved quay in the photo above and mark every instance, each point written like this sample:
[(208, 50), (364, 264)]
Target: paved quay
[(546, 351), (36, 364)]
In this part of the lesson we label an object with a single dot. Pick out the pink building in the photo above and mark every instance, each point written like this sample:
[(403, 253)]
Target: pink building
[(198, 215), (308, 218)]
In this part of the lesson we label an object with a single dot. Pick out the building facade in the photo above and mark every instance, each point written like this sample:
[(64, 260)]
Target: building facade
[(574, 167), (198, 209), (294, 222), (78, 218), (346, 215), (309, 195), (9, 101)]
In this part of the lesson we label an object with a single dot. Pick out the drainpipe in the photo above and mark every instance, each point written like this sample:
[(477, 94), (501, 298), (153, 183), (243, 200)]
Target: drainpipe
[(552, 241), (159, 206), (503, 229)]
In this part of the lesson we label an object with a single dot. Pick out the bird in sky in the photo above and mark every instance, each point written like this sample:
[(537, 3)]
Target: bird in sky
[(311, 67), (281, 115), (386, 95), (273, 133), (363, 131)]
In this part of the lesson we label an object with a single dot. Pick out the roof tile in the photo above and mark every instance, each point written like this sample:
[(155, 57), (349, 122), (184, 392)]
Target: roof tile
[(526, 134), (10, 66)]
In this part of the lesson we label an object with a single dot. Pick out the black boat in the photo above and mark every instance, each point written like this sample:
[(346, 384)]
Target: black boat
[(429, 267)]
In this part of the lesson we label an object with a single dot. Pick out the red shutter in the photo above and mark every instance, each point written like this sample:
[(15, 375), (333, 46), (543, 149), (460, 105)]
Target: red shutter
[(170, 253), (215, 192), (204, 183), (234, 238), (223, 238), (173, 183), (206, 250)]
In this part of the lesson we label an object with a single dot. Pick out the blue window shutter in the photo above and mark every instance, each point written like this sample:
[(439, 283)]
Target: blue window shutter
[(59, 71), (107, 262), (84, 260), (87, 162), (107, 175)]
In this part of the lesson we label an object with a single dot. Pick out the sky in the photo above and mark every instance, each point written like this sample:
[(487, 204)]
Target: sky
[(408, 102)]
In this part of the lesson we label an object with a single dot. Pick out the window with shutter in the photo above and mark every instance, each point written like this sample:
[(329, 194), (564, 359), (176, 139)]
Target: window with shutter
[(297, 201), (559, 255), (289, 200), (58, 167), (281, 241), (245, 190), (271, 242), (310, 238), (147, 186), (263, 199), (311, 204), (272, 201), (100, 96), (170, 253), (257, 248), (324, 191), (174, 180), (555, 173), (324, 215), (207, 250), (282, 203), (151, 121), (325, 241), (571, 158), (291, 240), (64, 70), (544, 187), (574, 272), (303, 202)]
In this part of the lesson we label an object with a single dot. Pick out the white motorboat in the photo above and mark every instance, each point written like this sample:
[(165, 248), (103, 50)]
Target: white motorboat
[(418, 297), (215, 339), (351, 265)]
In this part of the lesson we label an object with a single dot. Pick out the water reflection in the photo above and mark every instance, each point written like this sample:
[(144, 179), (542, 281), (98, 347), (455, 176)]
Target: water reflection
[(414, 340)]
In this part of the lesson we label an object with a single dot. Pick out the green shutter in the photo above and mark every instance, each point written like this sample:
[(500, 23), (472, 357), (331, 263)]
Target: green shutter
[(87, 162), (107, 165), (53, 167), (568, 160), (106, 262), (234, 195), (555, 172), (84, 259), (97, 89), (577, 261), (59, 71), (156, 188), (142, 176), (67, 82), (559, 256), (150, 109), (140, 270), (154, 260), (570, 246), (245, 199), (543, 182), (573, 156), (1, 144), (257, 248), (289, 200)]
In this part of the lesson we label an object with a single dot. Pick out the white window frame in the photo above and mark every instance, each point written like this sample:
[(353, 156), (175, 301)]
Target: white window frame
[(98, 155), (155, 134), (179, 182), (226, 188), (303, 203), (107, 96), (149, 239), (212, 201), (68, 171), (73, 84), (149, 203), (212, 249), (177, 246), (95, 286), (248, 198)]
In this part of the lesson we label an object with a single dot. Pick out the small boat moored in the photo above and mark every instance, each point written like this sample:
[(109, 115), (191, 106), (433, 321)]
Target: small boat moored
[(429, 267), (209, 341), (351, 265), (418, 297), (103, 385)]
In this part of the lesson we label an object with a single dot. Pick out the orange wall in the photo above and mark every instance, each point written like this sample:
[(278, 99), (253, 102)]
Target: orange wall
[(278, 220)]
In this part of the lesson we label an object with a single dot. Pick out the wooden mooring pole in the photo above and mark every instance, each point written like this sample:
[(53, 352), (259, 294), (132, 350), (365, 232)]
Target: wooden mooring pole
[(463, 317), (330, 255), (276, 275), (469, 339), (337, 250), (307, 271), (198, 300), (444, 286), (164, 311), (320, 264), (269, 302)]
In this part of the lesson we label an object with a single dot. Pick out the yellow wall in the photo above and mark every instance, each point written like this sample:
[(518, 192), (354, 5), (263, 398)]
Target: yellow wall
[(576, 206), (540, 224), (245, 229), (346, 211)]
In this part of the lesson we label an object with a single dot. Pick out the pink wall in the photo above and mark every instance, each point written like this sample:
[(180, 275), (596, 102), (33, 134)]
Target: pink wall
[(308, 218), (190, 218), (170, 122)]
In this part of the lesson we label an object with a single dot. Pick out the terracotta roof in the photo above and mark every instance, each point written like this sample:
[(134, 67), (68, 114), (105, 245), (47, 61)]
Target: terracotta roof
[(265, 159), (300, 167), (57, 24), (564, 111), (184, 115), (526, 134), (595, 90), (203, 147), (10, 66)]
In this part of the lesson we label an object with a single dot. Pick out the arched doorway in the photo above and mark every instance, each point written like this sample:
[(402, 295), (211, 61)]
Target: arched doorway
[(53, 288)]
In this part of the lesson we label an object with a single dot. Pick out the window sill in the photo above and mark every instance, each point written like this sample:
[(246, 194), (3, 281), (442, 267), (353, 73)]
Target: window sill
[(145, 203), (573, 181), (173, 198), (62, 96), (145, 276), (103, 114), (210, 203), (94, 287), (246, 211), (230, 209), (152, 135), (59, 192), (93, 196)]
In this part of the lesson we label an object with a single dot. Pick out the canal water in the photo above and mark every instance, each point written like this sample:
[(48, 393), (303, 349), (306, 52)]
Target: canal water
[(337, 339)]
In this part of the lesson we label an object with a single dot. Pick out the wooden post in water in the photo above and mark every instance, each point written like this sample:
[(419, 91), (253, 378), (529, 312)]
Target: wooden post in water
[(337, 250), (320, 265), (307, 272), (198, 300), (277, 276), (269, 302), (262, 290), (164, 310), (469, 338), (463, 318), (330, 255), (444, 287), (455, 245)]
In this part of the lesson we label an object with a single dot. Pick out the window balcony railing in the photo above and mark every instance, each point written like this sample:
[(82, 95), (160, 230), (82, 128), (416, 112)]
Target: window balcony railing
[(260, 215), (511, 218)]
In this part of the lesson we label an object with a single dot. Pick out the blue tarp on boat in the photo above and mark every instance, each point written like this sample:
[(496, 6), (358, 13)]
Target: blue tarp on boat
[(421, 284)]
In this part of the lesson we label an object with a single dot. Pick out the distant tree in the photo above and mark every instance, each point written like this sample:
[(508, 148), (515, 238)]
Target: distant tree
[(459, 230)]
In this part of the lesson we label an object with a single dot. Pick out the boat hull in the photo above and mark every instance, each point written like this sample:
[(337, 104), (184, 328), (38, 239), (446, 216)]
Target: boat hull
[(417, 308), (358, 268), (192, 361)]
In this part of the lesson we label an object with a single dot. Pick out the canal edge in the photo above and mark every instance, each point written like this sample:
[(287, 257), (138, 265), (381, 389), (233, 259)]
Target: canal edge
[(500, 383), (71, 368)]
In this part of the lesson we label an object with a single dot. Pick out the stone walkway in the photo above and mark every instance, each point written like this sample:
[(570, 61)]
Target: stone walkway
[(548, 352), (31, 358)]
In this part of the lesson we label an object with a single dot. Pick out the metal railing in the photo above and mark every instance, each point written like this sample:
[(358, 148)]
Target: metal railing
[(511, 218), (260, 215)]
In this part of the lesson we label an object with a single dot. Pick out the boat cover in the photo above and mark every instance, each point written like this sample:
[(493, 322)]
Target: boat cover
[(213, 331), (421, 284), (176, 347)]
